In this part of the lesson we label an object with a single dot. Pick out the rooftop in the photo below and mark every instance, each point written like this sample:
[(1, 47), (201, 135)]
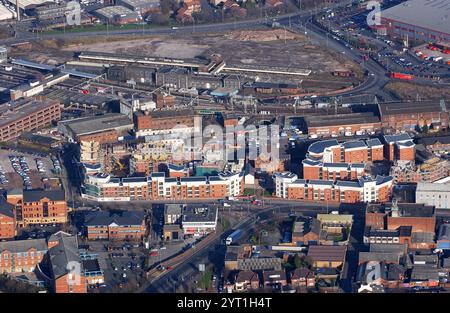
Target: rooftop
[(327, 253), (126, 218), (25, 108), (341, 119), (95, 124), (432, 187), (428, 14), (320, 146), (38, 195), (400, 108), (23, 245)]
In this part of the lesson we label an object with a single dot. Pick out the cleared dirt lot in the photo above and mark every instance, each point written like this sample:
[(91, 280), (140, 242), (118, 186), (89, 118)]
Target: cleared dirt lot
[(268, 48)]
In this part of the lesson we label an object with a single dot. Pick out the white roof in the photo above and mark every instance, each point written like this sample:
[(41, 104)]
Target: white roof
[(24, 3), (5, 14), (430, 14), (433, 187)]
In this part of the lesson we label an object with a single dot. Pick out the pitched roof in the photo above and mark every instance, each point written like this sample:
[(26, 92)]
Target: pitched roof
[(103, 218), (327, 253), (15, 246), (37, 195), (63, 253), (6, 208)]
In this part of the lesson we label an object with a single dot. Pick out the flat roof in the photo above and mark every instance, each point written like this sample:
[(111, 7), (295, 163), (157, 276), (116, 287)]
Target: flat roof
[(111, 11), (429, 14), (24, 109), (422, 186)]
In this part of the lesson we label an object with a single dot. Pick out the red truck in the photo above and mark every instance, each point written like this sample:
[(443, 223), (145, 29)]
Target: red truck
[(401, 76)]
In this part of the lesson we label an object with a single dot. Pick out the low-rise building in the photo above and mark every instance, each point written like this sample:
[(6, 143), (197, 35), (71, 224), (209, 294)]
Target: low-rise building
[(127, 225), (65, 265), (401, 116), (246, 280), (327, 256), (437, 195), (303, 277), (118, 15), (21, 255), (7, 220), (39, 206), (92, 272), (199, 221), (436, 144)]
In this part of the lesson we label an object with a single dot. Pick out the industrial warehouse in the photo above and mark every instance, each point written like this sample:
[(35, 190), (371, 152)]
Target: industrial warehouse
[(419, 20)]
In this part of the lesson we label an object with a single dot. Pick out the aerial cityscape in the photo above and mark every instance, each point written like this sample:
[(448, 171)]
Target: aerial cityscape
[(225, 147)]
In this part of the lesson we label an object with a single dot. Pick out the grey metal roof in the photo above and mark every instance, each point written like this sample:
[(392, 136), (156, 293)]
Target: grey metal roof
[(345, 183), (175, 167), (321, 182), (397, 137), (319, 146), (6, 208), (354, 144), (193, 179), (428, 14), (37, 195), (64, 252), (134, 179), (33, 64), (95, 124), (173, 208), (342, 165), (191, 215), (157, 174), (374, 142), (311, 162), (23, 245), (103, 218)]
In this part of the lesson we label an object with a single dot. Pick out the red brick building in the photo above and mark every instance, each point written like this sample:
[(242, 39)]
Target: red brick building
[(39, 206), (7, 220), (399, 147), (21, 255), (124, 226), (28, 116), (65, 265), (400, 116)]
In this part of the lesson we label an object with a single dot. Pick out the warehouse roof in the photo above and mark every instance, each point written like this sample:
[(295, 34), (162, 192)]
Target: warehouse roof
[(341, 119), (95, 124), (429, 14), (400, 108), (24, 109), (113, 11)]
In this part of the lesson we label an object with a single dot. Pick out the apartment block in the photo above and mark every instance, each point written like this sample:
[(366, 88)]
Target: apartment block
[(103, 187), (39, 206), (288, 186)]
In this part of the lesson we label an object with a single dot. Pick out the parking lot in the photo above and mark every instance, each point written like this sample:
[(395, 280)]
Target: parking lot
[(121, 262), (26, 170)]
